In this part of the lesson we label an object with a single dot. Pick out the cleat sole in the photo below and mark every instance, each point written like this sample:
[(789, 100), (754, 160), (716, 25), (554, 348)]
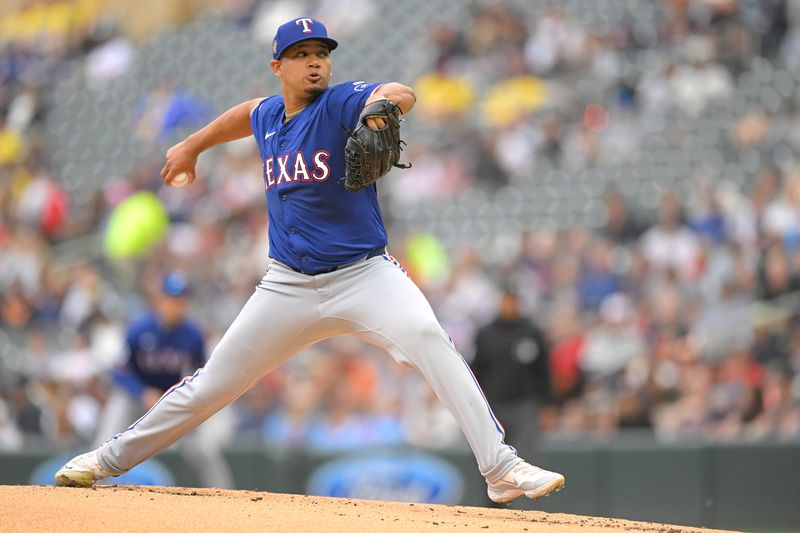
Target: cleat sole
[(74, 479), (545, 490)]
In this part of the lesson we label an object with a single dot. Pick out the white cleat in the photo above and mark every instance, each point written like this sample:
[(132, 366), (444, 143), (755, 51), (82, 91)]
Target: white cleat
[(532, 481), (82, 471)]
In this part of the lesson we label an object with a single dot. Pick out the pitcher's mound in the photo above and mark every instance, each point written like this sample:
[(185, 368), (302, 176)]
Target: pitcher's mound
[(106, 509)]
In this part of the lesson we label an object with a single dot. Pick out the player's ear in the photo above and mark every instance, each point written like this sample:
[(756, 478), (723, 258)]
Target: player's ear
[(275, 66)]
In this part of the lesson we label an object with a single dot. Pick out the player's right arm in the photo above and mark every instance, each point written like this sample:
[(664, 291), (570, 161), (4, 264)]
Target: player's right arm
[(233, 124)]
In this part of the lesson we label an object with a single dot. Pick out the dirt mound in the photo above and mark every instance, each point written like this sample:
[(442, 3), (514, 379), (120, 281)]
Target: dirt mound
[(104, 509)]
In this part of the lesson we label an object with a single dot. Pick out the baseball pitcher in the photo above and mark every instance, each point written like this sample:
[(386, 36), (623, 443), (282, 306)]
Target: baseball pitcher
[(322, 148)]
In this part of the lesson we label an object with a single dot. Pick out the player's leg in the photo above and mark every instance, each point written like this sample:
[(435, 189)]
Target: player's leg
[(521, 420), (279, 319), (392, 312), (388, 310), (117, 413), (204, 455)]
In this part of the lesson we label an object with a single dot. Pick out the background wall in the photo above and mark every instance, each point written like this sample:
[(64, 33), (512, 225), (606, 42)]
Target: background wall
[(731, 487)]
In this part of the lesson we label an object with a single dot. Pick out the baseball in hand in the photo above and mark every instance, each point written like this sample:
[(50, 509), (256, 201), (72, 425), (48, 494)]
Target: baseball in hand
[(181, 180)]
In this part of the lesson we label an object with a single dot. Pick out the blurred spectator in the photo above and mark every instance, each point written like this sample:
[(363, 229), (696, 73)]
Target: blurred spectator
[(598, 279), (443, 96), (614, 342), (10, 436), (670, 244), (568, 340), (622, 226), (168, 110), (160, 348), (706, 218), (700, 81), (111, 57), (724, 326), (287, 425), (12, 144), (428, 424), (544, 144), (512, 365), (554, 40), (775, 274), (781, 216), (342, 426), (467, 298)]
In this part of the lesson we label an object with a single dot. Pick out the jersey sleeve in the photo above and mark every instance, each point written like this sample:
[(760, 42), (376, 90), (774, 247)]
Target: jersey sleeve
[(257, 120), (347, 100), (125, 379)]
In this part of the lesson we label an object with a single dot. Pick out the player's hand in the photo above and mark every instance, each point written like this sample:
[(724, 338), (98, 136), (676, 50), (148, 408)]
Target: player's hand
[(149, 397), (180, 159), (375, 123)]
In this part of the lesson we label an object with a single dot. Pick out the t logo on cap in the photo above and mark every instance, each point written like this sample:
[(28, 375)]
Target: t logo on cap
[(297, 30), (305, 23)]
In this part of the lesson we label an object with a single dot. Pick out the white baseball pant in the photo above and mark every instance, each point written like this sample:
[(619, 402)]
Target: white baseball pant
[(201, 451), (371, 299)]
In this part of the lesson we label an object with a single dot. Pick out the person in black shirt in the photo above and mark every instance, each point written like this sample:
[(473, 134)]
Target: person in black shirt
[(511, 364)]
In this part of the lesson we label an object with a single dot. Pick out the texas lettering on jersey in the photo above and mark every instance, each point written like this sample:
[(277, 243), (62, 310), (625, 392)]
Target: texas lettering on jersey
[(165, 360), (290, 168), (303, 163)]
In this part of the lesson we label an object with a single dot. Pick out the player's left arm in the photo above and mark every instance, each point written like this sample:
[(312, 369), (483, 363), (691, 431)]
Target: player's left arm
[(397, 93)]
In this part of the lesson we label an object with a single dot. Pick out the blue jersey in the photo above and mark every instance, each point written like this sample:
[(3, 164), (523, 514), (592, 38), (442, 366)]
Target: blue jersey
[(314, 223), (159, 357)]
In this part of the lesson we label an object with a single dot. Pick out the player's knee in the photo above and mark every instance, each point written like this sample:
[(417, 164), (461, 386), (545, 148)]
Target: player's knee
[(207, 396), (422, 332)]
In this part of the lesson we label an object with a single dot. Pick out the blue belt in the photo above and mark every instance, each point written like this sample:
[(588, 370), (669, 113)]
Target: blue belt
[(372, 253)]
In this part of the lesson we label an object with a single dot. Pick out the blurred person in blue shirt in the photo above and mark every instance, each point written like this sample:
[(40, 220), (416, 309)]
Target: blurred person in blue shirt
[(162, 346), (168, 110)]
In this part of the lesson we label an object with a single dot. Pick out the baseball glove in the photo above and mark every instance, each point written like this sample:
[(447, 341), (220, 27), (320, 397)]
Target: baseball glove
[(369, 154)]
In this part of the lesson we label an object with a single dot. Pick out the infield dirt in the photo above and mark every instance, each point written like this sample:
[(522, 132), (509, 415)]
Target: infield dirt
[(159, 509)]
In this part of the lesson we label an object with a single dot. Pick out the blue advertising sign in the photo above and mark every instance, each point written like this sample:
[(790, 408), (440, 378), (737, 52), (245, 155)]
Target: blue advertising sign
[(406, 477)]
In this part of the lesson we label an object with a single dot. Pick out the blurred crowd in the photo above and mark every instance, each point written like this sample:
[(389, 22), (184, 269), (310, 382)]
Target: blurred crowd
[(674, 316)]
